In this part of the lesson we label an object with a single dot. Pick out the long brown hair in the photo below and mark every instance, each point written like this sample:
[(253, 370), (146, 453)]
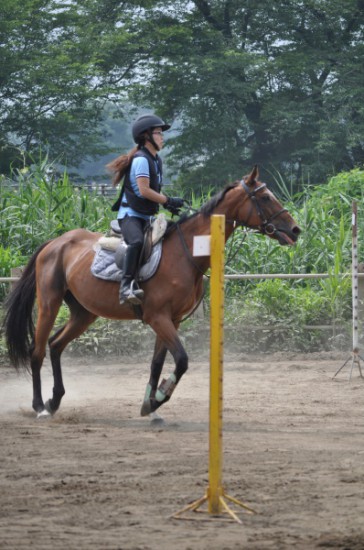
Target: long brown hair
[(120, 165)]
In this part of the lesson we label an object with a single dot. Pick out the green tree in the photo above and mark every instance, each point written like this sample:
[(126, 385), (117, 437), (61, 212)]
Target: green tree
[(55, 79), (273, 83)]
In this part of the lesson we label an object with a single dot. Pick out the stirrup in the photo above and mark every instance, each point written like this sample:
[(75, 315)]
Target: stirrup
[(132, 295), (134, 288)]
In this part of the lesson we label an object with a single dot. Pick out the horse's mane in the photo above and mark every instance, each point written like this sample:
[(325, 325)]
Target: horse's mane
[(210, 205), (206, 209)]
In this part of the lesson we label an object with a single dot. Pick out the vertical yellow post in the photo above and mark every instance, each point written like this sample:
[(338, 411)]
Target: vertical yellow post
[(215, 490), (215, 495)]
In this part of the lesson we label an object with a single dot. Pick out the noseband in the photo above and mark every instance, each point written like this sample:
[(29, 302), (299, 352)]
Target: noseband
[(266, 226)]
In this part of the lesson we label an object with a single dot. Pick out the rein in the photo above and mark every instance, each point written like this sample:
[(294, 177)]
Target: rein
[(187, 250), (266, 227)]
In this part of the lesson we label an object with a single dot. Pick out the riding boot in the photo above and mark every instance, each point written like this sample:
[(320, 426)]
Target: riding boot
[(129, 291)]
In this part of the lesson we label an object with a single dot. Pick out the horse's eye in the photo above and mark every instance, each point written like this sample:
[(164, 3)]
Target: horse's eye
[(265, 198)]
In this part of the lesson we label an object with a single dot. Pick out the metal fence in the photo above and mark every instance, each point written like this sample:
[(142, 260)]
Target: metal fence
[(335, 328), (91, 186), (15, 276)]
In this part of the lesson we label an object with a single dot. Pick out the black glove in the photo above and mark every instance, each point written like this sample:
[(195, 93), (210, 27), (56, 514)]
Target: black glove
[(174, 204)]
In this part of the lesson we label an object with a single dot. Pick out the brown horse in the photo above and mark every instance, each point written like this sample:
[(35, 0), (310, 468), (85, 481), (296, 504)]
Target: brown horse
[(60, 270)]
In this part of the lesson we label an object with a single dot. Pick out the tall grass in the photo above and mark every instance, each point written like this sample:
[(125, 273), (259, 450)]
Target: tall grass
[(44, 206), (324, 214), (37, 206)]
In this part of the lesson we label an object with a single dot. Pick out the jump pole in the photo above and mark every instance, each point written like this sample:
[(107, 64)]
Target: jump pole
[(215, 495), (355, 357)]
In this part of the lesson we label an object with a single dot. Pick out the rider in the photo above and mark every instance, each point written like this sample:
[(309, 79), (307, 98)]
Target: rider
[(140, 196)]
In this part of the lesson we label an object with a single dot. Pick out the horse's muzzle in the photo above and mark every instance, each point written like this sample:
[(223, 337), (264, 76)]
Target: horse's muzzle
[(288, 238)]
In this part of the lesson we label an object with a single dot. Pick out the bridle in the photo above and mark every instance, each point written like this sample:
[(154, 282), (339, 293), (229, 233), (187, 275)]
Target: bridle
[(266, 226)]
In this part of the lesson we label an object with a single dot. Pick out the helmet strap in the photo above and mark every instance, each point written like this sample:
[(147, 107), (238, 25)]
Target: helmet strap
[(151, 139)]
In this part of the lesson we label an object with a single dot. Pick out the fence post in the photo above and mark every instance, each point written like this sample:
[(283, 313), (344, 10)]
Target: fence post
[(361, 305)]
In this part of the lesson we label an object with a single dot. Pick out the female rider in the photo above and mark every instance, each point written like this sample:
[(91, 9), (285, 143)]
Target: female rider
[(140, 196)]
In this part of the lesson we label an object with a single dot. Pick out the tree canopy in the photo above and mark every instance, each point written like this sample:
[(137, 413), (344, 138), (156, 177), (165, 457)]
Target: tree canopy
[(53, 82), (274, 83)]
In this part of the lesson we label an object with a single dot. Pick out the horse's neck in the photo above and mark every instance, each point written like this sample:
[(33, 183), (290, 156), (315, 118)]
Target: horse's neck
[(227, 209), (201, 225), (181, 240)]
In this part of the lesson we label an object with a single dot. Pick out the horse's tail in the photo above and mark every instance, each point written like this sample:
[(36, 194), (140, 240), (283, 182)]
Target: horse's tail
[(18, 320)]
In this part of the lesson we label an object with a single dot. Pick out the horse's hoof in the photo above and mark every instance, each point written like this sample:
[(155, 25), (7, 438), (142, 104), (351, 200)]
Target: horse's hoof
[(48, 408), (149, 406), (43, 414), (146, 408)]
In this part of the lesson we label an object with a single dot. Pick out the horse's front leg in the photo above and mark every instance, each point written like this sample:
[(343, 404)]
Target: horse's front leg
[(159, 356), (170, 341)]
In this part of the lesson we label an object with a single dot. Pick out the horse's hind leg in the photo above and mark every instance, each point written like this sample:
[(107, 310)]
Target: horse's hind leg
[(80, 319), (46, 317), (159, 356)]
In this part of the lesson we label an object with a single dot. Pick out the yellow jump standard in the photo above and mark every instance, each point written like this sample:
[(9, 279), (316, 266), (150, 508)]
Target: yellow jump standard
[(215, 495)]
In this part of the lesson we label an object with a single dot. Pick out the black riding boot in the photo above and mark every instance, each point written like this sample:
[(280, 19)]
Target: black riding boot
[(129, 291)]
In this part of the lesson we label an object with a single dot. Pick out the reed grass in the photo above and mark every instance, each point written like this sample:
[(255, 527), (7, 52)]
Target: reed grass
[(43, 206)]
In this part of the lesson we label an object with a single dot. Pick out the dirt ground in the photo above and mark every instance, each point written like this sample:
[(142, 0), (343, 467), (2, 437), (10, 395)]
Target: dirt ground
[(97, 475)]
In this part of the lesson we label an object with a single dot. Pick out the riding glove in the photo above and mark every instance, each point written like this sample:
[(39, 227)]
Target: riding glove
[(174, 204)]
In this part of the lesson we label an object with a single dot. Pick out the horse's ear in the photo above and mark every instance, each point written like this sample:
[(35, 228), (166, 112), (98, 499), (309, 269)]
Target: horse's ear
[(252, 176)]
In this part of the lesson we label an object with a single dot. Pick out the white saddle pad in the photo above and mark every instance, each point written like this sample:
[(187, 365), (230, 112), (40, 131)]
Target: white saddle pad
[(104, 266)]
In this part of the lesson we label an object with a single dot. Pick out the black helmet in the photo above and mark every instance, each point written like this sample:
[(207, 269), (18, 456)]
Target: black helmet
[(145, 122)]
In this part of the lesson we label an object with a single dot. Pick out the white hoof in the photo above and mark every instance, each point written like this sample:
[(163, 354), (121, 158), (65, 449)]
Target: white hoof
[(43, 414)]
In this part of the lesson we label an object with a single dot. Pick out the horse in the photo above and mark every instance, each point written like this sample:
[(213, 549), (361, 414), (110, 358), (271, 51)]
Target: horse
[(59, 270)]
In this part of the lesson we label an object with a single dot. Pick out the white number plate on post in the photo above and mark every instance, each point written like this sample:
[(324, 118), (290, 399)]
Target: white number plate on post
[(201, 245)]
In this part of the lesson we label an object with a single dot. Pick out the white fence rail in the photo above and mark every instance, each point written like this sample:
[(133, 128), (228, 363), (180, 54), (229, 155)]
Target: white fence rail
[(245, 276), (286, 275), (251, 276)]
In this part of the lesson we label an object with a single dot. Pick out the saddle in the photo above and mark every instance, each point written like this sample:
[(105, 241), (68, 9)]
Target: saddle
[(110, 251), (114, 241)]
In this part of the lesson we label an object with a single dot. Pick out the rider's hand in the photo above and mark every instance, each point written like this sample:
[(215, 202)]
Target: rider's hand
[(174, 204)]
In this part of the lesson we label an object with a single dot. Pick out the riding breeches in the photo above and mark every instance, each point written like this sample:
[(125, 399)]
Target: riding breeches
[(133, 229)]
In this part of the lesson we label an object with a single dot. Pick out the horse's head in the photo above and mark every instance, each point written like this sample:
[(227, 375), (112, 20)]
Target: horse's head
[(258, 208)]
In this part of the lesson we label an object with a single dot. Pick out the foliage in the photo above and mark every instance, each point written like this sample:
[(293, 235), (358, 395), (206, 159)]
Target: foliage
[(45, 205), (324, 214), (54, 84), (39, 206), (274, 83), (282, 315), (9, 258)]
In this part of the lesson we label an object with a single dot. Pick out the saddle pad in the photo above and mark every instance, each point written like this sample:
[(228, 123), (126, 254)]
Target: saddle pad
[(104, 266)]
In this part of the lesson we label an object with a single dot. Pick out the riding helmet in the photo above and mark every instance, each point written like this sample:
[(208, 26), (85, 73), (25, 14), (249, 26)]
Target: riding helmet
[(146, 122)]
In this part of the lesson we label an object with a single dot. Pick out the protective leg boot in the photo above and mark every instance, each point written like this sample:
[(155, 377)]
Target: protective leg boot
[(129, 291)]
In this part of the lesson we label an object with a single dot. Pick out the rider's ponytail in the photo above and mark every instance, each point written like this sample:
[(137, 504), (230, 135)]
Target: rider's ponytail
[(120, 165)]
